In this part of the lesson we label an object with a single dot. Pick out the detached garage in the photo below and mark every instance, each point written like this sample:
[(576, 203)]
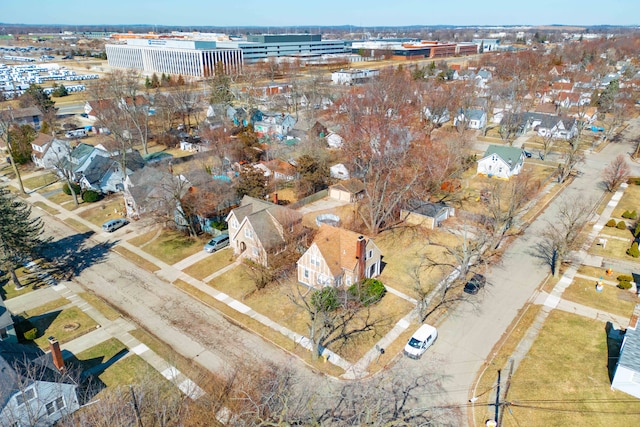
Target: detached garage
[(350, 190)]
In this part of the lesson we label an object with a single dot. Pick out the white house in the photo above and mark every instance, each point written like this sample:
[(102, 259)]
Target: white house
[(334, 140), (501, 162), (278, 124), (353, 76), (339, 171), (472, 118), (627, 375), (47, 151), (34, 387)]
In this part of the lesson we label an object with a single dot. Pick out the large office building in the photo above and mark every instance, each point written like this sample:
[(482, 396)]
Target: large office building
[(413, 49), (197, 58), (256, 48)]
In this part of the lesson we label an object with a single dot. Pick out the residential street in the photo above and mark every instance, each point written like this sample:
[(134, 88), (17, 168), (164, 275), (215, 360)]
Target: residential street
[(469, 333)]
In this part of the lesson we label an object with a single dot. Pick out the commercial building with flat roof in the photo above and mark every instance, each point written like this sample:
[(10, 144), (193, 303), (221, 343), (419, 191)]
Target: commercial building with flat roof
[(197, 58)]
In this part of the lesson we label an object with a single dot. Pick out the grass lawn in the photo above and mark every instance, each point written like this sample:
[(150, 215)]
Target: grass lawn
[(40, 180), (501, 354), (630, 200), (65, 325), (171, 246), (565, 374), (611, 299), (136, 259), (210, 264), (614, 231), (345, 213), (276, 304), (104, 211), (98, 354), (188, 367), (614, 249), (266, 332), (402, 266), (144, 239), (45, 308), (46, 208), (80, 227), (130, 370), (99, 304), (8, 290)]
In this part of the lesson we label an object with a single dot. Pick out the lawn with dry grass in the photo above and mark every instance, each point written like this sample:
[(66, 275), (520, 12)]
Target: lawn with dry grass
[(565, 378), (626, 234), (278, 304), (104, 211), (611, 299), (630, 200), (43, 206), (345, 212), (614, 248), (210, 264), (40, 180), (171, 246), (65, 325), (79, 226), (405, 251), (101, 305)]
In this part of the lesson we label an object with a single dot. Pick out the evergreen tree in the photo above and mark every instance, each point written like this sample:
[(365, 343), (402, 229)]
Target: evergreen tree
[(147, 82), (20, 234), (155, 81), (60, 91), (35, 96), (220, 86), (180, 81), (252, 182)]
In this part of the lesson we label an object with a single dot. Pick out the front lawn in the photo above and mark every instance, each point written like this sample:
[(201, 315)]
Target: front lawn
[(564, 379), (630, 199), (210, 264), (40, 180), (104, 211), (171, 246), (614, 248), (611, 299), (64, 325)]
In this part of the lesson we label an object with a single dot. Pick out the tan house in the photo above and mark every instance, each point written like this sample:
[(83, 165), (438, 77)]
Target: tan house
[(338, 257), (258, 228), (350, 190)]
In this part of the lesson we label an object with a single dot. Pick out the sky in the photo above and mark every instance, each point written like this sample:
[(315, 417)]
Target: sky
[(364, 13)]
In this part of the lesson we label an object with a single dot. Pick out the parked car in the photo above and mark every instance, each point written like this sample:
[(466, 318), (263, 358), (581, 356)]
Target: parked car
[(421, 340), (112, 225), (476, 283), (217, 243)]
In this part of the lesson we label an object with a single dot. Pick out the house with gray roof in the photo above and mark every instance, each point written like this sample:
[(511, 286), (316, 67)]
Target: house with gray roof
[(627, 375), (35, 389), (558, 127), (471, 118), (258, 229), (501, 162), (7, 332)]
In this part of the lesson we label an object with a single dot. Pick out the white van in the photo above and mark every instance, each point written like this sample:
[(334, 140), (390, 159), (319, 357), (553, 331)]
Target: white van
[(114, 224), (421, 340)]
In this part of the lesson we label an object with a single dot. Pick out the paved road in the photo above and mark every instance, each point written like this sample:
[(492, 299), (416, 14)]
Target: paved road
[(190, 327), (468, 335)]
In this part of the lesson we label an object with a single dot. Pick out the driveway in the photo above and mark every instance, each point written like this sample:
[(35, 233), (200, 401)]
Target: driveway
[(469, 333)]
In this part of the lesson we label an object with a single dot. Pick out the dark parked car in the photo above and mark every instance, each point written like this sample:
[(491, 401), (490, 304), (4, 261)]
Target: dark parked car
[(476, 283)]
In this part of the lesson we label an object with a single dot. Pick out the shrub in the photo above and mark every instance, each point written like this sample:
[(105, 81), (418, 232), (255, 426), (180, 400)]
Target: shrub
[(66, 190), (90, 196), (633, 250), (31, 334), (630, 214), (624, 285), (636, 232), (326, 299), (624, 278), (611, 223), (621, 225), (368, 291)]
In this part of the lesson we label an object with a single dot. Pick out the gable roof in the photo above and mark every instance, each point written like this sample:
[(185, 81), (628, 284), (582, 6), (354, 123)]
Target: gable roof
[(20, 113), (18, 362), (510, 155), (42, 139), (267, 219), (338, 248), (630, 354), (98, 168), (428, 209)]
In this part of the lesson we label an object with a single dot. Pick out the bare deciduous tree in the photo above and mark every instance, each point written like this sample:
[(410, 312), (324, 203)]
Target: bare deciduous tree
[(572, 157), (616, 173)]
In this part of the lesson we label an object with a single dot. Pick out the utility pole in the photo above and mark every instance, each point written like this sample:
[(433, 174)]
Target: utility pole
[(506, 390), (497, 404), (135, 406)]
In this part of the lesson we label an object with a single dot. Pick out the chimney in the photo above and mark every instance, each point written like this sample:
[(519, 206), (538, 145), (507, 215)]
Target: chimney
[(56, 354), (275, 198), (360, 256)]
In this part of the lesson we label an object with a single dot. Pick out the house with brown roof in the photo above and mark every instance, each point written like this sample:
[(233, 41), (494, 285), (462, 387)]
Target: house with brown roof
[(47, 151), (338, 257), (349, 190), (258, 229), (281, 170)]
